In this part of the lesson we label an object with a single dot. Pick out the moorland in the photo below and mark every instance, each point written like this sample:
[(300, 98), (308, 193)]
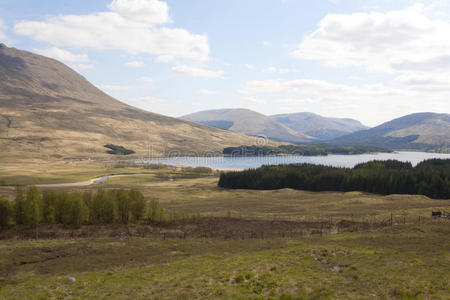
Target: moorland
[(230, 243)]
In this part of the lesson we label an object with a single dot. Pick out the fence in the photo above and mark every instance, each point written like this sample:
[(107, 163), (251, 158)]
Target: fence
[(228, 227)]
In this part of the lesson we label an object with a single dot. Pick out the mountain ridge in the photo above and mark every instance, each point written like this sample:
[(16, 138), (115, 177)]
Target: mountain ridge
[(425, 131), (248, 122), (322, 128), (49, 110)]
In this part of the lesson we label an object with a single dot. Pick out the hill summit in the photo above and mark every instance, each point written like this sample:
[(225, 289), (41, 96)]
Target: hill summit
[(49, 110), (248, 122), (420, 131), (322, 128)]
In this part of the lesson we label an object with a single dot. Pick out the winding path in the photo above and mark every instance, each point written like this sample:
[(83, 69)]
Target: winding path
[(93, 181)]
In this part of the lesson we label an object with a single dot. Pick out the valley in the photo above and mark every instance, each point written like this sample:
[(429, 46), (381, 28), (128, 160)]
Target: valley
[(286, 194)]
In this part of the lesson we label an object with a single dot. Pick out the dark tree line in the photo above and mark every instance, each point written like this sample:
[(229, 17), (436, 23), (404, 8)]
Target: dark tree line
[(303, 150), (430, 178), (75, 209), (118, 150)]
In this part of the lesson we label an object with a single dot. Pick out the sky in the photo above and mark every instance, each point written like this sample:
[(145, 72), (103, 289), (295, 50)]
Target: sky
[(371, 60)]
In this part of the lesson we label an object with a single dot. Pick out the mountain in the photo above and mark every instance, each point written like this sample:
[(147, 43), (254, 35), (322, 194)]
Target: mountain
[(248, 122), (319, 127), (420, 131), (48, 110)]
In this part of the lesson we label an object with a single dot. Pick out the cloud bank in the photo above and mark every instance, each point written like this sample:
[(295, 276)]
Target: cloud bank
[(134, 26)]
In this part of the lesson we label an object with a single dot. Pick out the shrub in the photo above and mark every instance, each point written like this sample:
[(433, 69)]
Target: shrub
[(118, 150), (19, 208), (6, 213), (32, 207)]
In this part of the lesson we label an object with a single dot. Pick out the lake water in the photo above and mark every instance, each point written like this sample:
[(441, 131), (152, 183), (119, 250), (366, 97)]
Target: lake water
[(227, 163)]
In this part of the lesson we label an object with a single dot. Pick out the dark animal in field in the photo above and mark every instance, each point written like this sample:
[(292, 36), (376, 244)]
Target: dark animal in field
[(436, 214)]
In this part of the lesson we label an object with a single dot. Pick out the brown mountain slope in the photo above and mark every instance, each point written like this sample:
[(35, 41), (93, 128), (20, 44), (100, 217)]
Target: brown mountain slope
[(425, 131), (48, 110)]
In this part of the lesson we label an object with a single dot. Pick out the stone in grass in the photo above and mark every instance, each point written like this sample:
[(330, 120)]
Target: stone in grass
[(336, 269), (71, 279)]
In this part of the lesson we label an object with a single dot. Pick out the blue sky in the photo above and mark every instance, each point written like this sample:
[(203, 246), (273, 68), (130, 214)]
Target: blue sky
[(368, 60)]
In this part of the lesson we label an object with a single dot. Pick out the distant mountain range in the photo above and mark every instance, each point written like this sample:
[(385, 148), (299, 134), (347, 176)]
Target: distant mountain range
[(319, 127), (249, 122), (419, 131), (48, 110), (296, 128)]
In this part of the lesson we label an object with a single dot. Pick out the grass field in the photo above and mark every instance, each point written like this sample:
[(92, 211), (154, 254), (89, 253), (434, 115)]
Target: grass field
[(48, 172), (403, 261), (398, 263)]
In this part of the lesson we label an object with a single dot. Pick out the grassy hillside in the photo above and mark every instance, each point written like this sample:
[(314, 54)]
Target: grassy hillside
[(421, 131), (47, 110), (319, 127), (248, 122)]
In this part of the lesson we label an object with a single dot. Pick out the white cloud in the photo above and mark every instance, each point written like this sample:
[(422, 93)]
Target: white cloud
[(431, 83), (276, 70), (254, 100), (146, 11), (134, 64), (437, 8), (3, 37), (206, 92), (196, 71), (124, 27), (396, 41), (366, 102), (165, 59), (335, 2), (78, 62), (295, 101), (115, 89), (159, 105), (320, 88), (145, 101), (146, 79), (265, 43), (82, 67), (62, 55), (248, 66)]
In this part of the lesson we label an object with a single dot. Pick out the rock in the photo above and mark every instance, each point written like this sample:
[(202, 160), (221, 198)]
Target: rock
[(336, 269), (71, 279)]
